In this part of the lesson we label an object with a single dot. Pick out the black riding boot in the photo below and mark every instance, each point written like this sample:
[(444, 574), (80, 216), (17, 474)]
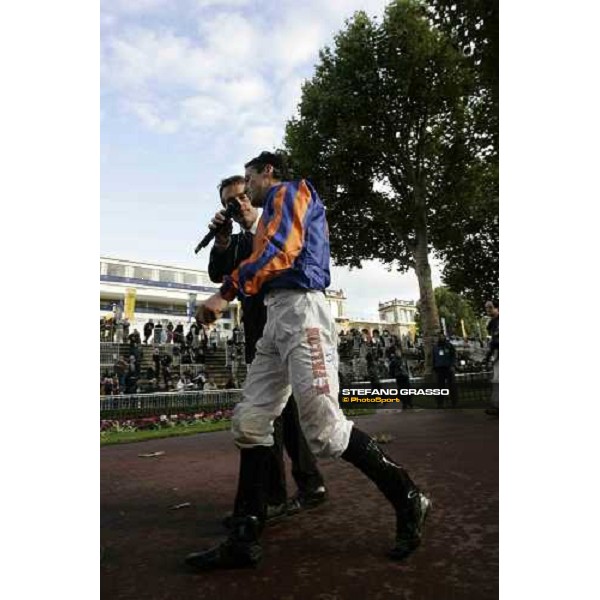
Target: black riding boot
[(410, 504), (242, 548)]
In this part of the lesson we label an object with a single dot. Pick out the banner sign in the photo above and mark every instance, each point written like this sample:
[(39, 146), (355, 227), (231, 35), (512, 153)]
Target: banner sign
[(191, 307), (130, 303)]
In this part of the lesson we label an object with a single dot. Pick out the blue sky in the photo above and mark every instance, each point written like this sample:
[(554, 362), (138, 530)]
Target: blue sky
[(190, 90)]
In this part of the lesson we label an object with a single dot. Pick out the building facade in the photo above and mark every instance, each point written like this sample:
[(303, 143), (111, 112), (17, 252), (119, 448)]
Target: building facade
[(336, 300), (162, 292), (398, 317)]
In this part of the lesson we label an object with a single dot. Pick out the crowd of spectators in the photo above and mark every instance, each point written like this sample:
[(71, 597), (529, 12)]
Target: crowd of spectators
[(377, 355), (374, 356), (169, 372), (364, 355)]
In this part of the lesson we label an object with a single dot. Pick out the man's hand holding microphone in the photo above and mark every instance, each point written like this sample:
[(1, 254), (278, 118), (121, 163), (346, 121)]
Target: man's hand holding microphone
[(223, 228)]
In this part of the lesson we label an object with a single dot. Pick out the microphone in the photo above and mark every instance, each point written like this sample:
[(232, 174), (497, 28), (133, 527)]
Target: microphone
[(232, 210)]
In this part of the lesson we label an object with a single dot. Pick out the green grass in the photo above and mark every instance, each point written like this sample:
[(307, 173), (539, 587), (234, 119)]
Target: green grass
[(125, 437)]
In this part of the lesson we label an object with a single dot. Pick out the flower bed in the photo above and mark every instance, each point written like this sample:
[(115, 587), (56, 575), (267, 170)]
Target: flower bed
[(163, 421)]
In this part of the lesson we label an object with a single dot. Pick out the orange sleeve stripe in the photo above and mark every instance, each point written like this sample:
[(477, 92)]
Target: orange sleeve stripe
[(261, 239), (293, 245)]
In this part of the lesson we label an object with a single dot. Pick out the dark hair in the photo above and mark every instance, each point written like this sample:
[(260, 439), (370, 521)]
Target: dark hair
[(230, 181), (495, 304), (278, 160)]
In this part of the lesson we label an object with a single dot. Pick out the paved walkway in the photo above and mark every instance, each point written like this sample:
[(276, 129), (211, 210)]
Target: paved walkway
[(334, 553)]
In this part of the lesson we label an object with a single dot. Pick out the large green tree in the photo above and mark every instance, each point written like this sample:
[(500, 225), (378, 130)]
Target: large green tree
[(453, 308), (387, 130), (472, 256)]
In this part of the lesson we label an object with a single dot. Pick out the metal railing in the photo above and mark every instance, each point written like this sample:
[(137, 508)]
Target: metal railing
[(472, 390), (137, 405)]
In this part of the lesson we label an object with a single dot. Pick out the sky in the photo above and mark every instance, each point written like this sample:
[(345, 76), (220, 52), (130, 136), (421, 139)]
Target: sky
[(190, 91)]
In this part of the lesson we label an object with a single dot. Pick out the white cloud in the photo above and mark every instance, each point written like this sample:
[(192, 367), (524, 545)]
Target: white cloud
[(143, 59), (233, 40), (366, 287), (134, 6), (261, 137), (202, 4), (235, 67), (203, 111), (149, 115)]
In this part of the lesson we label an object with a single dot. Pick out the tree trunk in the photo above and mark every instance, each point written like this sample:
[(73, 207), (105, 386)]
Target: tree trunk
[(430, 322)]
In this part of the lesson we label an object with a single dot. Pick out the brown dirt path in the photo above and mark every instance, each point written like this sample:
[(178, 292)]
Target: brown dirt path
[(334, 553)]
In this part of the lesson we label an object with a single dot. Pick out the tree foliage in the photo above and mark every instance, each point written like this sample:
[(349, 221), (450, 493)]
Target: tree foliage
[(390, 131), (384, 124), (453, 308), (471, 257)]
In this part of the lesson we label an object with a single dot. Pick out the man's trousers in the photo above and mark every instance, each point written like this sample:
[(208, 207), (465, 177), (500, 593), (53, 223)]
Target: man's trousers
[(297, 354)]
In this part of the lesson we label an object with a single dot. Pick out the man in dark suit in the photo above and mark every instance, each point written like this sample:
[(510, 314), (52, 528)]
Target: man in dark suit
[(228, 251)]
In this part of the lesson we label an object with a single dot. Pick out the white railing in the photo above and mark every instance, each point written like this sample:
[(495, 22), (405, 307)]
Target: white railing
[(172, 401)]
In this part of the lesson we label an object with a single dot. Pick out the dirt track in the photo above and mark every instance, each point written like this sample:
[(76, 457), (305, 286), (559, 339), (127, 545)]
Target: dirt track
[(335, 552)]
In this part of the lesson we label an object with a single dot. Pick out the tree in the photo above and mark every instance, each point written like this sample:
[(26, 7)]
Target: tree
[(387, 132), (453, 308), (471, 260)]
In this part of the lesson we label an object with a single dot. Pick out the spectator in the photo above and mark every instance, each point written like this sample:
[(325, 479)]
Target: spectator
[(204, 339), (148, 329), (178, 336), (169, 337), (131, 382), (186, 356), (117, 310), (210, 384), (121, 368), (213, 340), (156, 361), (166, 362), (110, 329), (115, 385), (372, 372), (195, 331), (199, 381), (150, 383), (231, 384), (492, 308), (177, 352), (107, 385), (180, 387), (158, 333), (399, 371), (444, 358), (135, 338), (237, 337), (133, 368), (387, 340), (229, 352), (199, 356), (378, 344), (126, 326)]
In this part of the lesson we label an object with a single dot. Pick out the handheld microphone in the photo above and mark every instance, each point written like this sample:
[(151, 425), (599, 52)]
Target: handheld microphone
[(232, 210)]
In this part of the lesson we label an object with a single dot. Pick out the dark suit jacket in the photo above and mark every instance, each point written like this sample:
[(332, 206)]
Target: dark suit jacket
[(254, 314)]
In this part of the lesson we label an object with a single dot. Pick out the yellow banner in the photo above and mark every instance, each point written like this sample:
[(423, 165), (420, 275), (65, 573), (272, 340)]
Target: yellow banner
[(129, 303)]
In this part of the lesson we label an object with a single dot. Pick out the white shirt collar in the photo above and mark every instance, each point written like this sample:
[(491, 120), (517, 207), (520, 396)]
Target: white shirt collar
[(255, 224)]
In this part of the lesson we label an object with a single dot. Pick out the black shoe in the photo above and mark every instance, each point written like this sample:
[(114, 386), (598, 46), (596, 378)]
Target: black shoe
[(307, 500), (275, 512), (409, 526), (241, 549), (411, 506)]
